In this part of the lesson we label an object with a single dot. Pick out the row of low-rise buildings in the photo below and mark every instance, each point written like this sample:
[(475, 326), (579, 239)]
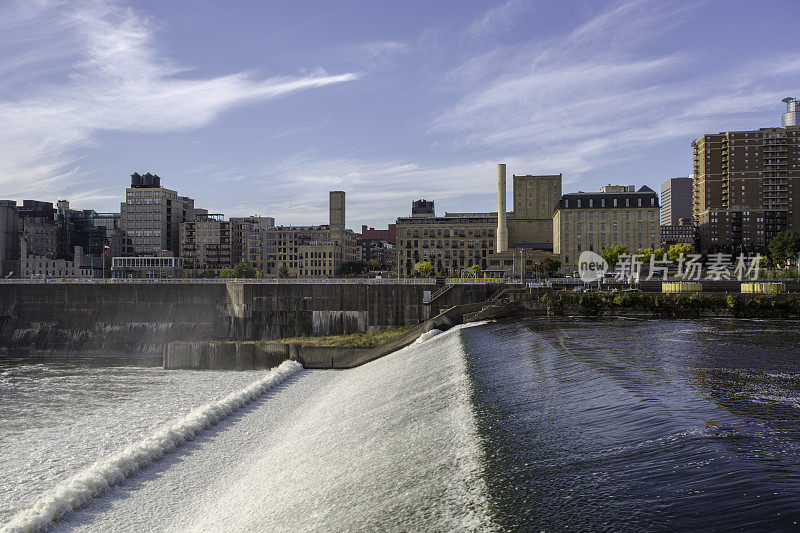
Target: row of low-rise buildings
[(738, 197), (543, 224)]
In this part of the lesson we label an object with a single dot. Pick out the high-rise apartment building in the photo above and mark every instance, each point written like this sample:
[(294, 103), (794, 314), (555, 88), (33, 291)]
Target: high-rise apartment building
[(151, 216), (676, 200), (744, 185), (593, 220)]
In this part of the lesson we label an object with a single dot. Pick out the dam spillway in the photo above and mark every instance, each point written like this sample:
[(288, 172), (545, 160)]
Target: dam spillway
[(123, 319), (528, 424)]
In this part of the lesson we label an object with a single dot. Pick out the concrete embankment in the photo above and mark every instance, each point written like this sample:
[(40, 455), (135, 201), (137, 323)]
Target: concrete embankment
[(138, 319), (229, 355)]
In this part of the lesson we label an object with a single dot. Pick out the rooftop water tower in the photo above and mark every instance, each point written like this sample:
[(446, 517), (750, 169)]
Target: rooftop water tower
[(792, 115)]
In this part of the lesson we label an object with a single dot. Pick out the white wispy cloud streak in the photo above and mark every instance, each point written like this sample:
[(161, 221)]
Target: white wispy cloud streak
[(499, 18), (112, 77), (592, 92)]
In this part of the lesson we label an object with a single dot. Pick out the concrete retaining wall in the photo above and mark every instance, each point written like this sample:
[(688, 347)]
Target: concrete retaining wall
[(121, 319), (225, 355)]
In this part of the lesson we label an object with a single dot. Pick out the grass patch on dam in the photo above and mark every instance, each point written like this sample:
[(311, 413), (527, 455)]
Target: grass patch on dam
[(369, 339)]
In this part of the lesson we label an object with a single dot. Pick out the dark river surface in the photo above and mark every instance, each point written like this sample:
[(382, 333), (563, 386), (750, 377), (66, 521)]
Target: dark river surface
[(631, 425)]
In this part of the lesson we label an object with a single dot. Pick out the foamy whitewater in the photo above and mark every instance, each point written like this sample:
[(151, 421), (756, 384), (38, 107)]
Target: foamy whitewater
[(392, 445), (106, 473)]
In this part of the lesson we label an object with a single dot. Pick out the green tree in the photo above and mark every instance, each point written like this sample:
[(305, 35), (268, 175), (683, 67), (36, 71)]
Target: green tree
[(226, 272), (643, 254), (474, 271), (243, 270), (550, 266), (423, 269), (676, 250), (785, 247), (612, 253), (283, 271)]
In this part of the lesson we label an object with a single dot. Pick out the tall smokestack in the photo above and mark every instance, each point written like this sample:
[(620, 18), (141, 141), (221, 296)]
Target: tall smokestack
[(336, 216), (502, 229)]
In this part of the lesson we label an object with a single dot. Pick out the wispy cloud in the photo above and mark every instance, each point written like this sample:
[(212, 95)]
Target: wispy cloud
[(591, 92), (118, 80), (499, 18)]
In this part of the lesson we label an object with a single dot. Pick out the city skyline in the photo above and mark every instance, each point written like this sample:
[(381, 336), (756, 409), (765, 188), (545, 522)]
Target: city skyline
[(247, 111)]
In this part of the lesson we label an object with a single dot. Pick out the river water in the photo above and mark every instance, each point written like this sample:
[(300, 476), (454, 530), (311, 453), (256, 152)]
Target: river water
[(616, 424)]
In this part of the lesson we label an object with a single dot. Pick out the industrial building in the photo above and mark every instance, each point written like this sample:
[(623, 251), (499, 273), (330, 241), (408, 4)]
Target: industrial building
[(508, 242)]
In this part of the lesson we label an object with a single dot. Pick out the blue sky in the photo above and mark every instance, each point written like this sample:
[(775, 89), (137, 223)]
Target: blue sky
[(262, 107)]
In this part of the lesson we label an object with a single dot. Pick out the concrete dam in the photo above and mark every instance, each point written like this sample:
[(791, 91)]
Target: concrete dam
[(138, 319)]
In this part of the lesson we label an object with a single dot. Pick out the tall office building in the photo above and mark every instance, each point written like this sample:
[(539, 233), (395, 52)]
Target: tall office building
[(151, 216), (676, 200), (744, 183)]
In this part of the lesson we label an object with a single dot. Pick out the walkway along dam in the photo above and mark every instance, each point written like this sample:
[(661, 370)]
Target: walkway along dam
[(135, 319)]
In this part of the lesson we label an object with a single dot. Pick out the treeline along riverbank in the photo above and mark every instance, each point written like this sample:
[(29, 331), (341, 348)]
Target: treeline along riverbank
[(684, 305)]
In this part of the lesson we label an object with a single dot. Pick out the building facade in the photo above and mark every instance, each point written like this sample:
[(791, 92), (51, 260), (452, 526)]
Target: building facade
[(241, 229), (680, 233), (111, 223), (41, 267), (151, 216), (457, 241), (450, 243), (744, 183), (9, 237), (676, 200), (304, 251), (206, 243), (160, 266), (388, 234), (530, 223), (593, 220)]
